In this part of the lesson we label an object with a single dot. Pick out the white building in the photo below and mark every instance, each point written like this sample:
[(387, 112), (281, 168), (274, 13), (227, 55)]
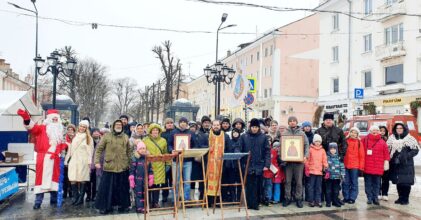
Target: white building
[(381, 52)]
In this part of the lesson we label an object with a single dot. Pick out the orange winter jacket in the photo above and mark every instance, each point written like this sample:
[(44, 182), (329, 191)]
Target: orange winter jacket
[(355, 154), (317, 160)]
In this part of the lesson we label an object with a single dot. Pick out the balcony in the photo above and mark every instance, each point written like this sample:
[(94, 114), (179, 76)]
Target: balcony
[(389, 11), (385, 52), (390, 89)]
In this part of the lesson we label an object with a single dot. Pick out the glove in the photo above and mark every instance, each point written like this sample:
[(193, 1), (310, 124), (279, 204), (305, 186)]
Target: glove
[(24, 114), (307, 171), (131, 180), (150, 180), (327, 175)]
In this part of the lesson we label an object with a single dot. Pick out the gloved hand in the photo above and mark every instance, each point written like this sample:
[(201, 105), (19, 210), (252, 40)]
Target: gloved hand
[(131, 180), (24, 114), (150, 180), (327, 175), (307, 171)]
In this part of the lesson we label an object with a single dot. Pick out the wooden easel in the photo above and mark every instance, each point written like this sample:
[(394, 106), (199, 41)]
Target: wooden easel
[(193, 153), (160, 158), (243, 178)]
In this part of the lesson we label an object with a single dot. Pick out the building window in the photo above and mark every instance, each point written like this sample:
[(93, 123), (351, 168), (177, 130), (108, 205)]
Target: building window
[(266, 52), (270, 92), (393, 34), (266, 93), (368, 7), (271, 50), (394, 74), (258, 56), (251, 59), (335, 54), (335, 21), (389, 2), (335, 85), (367, 79), (265, 72), (367, 43)]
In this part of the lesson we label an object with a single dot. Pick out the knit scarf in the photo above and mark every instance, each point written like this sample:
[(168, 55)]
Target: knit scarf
[(216, 152), (396, 145)]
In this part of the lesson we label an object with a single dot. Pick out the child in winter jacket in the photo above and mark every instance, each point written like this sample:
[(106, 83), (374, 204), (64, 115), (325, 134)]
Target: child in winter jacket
[(268, 175), (279, 175), (137, 177), (316, 164), (354, 163), (334, 174)]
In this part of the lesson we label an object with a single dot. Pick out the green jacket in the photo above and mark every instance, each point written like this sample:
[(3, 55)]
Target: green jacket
[(158, 168), (117, 152)]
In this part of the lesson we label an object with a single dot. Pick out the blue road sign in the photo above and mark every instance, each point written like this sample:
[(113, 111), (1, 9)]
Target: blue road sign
[(358, 93), (249, 99)]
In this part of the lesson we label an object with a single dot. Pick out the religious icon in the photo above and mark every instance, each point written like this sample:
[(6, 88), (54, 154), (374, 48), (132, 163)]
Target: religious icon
[(292, 148), (181, 142)]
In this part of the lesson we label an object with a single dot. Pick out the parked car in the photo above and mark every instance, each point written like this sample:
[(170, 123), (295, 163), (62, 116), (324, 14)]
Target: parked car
[(364, 122)]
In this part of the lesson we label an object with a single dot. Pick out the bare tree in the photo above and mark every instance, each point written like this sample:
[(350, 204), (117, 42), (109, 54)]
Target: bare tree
[(170, 66), (67, 85), (124, 91)]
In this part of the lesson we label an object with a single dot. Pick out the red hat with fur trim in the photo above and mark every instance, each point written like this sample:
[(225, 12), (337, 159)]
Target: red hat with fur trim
[(52, 113)]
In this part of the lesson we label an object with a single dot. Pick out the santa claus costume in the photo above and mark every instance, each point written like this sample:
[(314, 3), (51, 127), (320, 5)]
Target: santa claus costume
[(48, 140)]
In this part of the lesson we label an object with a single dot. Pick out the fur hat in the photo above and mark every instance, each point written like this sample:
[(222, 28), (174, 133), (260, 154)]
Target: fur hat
[(328, 115), (316, 138), (85, 123), (254, 122)]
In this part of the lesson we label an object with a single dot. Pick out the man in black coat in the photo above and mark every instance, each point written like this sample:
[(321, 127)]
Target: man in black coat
[(330, 133), (255, 142), (126, 126), (203, 142), (169, 127)]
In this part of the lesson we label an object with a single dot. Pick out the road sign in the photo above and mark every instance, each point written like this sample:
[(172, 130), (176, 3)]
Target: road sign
[(249, 99), (358, 93), (252, 84)]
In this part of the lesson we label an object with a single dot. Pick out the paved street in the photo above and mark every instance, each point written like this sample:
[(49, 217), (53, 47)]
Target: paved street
[(20, 207)]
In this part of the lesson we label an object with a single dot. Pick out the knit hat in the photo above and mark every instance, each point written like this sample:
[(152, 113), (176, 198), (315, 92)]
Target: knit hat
[(226, 120), (292, 118), (332, 145), (95, 129), (192, 123), (168, 120), (328, 115), (205, 118), (254, 122), (85, 123), (306, 124), (140, 144), (316, 138), (354, 129), (183, 119), (374, 127)]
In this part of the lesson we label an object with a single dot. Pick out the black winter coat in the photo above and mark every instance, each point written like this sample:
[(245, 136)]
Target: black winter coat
[(259, 148), (333, 134)]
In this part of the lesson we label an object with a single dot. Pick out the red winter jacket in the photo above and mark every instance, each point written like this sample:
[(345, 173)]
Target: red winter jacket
[(355, 154), (279, 176), (374, 163)]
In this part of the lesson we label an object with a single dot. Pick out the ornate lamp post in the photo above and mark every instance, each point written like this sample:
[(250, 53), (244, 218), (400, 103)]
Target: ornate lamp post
[(56, 64)]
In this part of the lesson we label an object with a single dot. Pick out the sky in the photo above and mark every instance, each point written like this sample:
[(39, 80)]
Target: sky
[(126, 52)]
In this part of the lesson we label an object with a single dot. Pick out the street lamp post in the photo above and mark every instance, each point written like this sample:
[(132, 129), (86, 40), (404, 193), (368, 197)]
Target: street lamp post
[(218, 83), (56, 64), (36, 44)]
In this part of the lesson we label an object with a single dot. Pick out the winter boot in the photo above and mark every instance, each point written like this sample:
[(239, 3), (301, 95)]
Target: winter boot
[(75, 193), (81, 194)]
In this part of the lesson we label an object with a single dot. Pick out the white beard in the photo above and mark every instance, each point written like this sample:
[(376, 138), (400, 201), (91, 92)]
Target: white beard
[(55, 132)]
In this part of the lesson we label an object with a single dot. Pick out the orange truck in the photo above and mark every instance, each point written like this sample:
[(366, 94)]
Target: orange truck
[(364, 122)]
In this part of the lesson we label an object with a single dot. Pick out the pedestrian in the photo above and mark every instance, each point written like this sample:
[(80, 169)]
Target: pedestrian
[(193, 127), (255, 142), (330, 133), (354, 164), (273, 130), (156, 145), (316, 163), (126, 126), (132, 126), (168, 128), (231, 175), (226, 125), (295, 170), (138, 176), (49, 144), (114, 187), (239, 124), (70, 134), (187, 163), (279, 175), (146, 125), (335, 173), (92, 186), (376, 161), (282, 128), (202, 142), (137, 135), (79, 159), (309, 133), (384, 181), (403, 148)]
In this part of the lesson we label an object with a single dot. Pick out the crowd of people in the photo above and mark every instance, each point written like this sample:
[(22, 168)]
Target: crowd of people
[(107, 165)]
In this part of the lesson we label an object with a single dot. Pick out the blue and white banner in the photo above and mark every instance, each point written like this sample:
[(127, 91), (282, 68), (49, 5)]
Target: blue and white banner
[(8, 183)]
